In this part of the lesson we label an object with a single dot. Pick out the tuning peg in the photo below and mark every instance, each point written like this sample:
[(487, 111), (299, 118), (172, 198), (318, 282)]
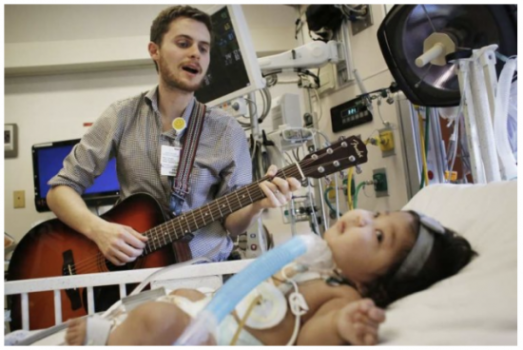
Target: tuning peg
[(358, 169)]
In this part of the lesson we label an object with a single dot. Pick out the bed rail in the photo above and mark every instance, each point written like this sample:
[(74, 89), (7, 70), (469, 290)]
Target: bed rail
[(193, 276)]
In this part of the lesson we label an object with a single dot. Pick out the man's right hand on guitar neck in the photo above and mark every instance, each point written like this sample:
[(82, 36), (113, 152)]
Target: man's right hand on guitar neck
[(119, 244)]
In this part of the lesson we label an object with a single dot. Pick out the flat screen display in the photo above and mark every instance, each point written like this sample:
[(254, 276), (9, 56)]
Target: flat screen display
[(48, 160), (227, 71)]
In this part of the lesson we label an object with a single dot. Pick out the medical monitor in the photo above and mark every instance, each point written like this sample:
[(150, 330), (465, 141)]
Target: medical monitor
[(48, 160), (234, 69)]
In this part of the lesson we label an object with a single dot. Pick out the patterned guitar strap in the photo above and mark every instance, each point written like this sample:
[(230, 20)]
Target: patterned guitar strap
[(181, 184)]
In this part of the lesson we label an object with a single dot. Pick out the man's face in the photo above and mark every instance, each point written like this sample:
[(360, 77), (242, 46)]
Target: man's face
[(184, 56)]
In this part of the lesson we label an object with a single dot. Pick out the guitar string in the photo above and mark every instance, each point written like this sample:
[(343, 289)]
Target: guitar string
[(290, 171)]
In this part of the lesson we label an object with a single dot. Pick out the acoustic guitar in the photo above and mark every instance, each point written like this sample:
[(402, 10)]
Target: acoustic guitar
[(53, 249)]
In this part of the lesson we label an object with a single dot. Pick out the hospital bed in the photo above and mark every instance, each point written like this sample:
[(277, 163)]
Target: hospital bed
[(476, 306)]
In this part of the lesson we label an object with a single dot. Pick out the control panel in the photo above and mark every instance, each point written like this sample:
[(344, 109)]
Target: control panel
[(350, 114)]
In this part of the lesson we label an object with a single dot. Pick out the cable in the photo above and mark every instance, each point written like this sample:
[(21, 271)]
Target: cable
[(253, 104), (326, 197), (360, 185), (349, 183), (318, 101), (241, 325), (424, 175), (253, 149), (427, 126), (387, 124)]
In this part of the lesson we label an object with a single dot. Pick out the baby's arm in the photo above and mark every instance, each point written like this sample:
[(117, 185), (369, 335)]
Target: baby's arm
[(341, 321)]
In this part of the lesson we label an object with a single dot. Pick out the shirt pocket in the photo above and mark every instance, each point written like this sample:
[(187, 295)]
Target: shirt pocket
[(204, 185)]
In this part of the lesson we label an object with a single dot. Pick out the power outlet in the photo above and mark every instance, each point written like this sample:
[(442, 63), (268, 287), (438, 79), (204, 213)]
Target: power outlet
[(19, 199), (387, 142), (380, 182)]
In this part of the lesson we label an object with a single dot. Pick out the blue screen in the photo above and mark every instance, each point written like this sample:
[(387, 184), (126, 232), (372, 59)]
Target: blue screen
[(50, 161)]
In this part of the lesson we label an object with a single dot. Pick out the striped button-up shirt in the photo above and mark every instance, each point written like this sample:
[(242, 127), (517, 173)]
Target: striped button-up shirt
[(131, 131)]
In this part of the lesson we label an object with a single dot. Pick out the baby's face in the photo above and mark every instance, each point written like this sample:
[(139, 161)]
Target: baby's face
[(366, 244)]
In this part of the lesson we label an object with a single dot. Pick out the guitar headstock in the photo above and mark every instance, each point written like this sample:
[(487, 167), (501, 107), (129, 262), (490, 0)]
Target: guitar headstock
[(338, 156)]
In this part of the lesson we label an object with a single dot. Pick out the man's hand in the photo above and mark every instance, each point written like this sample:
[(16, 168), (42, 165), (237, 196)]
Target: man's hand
[(278, 191), (118, 243)]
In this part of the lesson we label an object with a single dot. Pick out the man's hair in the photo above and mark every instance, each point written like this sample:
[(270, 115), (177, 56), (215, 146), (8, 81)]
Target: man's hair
[(164, 19), (449, 255)]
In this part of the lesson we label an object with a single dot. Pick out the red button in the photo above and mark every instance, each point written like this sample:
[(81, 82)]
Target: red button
[(431, 174)]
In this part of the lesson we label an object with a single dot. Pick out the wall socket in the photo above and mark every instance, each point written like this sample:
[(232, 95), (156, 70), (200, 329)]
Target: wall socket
[(19, 199), (380, 182), (387, 142)]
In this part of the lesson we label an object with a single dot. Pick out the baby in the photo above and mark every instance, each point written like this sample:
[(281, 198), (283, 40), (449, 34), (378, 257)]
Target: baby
[(378, 258)]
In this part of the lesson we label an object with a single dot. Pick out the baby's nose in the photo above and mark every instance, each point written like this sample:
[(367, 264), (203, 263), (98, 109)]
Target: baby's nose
[(360, 221)]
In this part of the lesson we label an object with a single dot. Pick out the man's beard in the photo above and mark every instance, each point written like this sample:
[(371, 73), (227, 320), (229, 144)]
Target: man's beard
[(173, 81)]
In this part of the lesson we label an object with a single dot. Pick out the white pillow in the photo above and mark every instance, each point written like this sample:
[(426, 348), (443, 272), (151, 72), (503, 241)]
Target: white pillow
[(479, 304)]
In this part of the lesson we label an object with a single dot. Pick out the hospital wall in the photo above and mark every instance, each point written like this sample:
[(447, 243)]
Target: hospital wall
[(52, 107)]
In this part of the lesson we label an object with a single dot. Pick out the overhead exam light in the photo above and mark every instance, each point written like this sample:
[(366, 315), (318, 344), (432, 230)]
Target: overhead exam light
[(407, 30)]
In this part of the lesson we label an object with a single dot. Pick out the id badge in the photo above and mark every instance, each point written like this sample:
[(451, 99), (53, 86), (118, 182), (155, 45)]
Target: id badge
[(170, 158)]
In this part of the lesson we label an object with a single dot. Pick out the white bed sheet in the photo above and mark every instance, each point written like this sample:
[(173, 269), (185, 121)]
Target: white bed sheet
[(478, 306)]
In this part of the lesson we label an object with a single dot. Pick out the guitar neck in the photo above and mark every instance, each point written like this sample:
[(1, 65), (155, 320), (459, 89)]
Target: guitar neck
[(193, 220)]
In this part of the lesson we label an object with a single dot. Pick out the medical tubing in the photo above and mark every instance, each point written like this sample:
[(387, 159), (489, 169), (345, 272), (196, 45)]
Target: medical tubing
[(231, 293), (358, 188), (326, 197), (501, 121)]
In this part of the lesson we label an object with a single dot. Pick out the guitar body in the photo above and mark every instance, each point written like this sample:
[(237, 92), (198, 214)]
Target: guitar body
[(53, 249)]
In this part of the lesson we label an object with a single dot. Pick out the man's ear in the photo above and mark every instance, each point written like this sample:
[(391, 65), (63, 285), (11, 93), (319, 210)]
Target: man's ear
[(153, 50)]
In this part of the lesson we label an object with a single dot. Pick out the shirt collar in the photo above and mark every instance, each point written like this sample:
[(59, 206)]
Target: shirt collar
[(152, 97)]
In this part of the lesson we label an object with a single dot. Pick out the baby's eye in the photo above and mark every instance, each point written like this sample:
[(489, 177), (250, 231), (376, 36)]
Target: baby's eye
[(379, 236), (376, 214)]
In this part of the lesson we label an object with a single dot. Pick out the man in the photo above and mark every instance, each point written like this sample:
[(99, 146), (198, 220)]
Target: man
[(137, 131)]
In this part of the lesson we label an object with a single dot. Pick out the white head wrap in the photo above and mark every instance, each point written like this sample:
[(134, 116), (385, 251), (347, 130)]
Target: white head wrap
[(420, 252)]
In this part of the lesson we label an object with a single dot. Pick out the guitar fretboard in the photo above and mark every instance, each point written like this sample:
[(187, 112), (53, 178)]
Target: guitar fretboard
[(193, 220)]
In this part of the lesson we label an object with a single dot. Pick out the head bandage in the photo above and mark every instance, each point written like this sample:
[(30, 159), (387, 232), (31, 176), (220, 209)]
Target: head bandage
[(420, 252)]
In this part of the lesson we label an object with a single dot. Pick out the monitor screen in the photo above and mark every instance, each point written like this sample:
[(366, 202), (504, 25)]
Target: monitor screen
[(234, 69), (48, 160)]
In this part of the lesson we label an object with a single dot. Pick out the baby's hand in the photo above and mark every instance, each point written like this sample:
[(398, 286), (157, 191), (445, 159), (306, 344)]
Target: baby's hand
[(358, 322)]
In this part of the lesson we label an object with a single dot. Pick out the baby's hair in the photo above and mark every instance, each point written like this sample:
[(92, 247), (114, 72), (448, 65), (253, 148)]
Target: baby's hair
[(449, 254)]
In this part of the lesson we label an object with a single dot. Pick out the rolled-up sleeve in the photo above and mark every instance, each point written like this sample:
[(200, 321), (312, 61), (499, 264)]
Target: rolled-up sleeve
[(90, 156)]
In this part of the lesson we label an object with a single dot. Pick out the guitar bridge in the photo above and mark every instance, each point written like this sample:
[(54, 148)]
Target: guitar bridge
[(68, 269)]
